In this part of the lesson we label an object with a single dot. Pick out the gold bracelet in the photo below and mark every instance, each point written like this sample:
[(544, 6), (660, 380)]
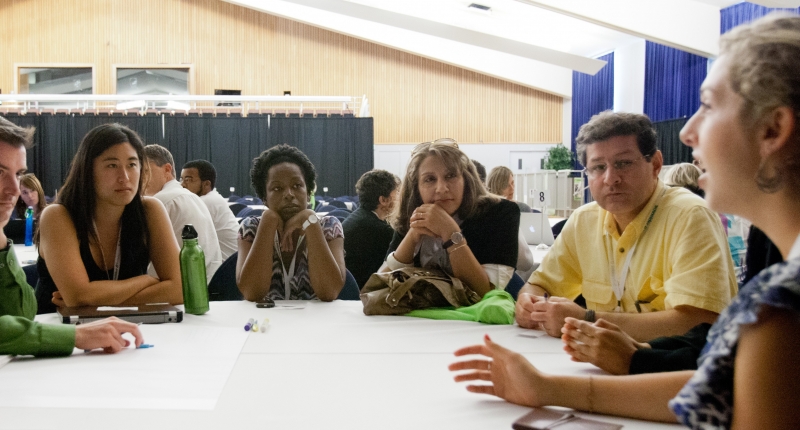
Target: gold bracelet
[(453, 249), (591, 407)]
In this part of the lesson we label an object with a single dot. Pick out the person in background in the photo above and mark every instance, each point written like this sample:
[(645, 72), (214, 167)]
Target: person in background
[(746, 133), (684, 175), (200, 177), (96, 241), (367, 233), (31, 195), (501, 182), (183, 206), (447, 220), (288, 253), (481, 169)]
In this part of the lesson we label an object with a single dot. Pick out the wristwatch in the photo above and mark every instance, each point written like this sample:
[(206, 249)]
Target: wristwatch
[(312, 219), (455, 239)]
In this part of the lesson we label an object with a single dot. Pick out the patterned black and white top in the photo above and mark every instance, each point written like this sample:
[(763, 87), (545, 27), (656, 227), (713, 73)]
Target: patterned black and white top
[(295, 271), (706, 401)]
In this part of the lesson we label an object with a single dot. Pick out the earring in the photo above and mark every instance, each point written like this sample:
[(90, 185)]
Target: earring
[(769, 183)]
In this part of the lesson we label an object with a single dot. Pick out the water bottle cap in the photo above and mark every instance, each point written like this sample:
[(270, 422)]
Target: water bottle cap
[(188, 232)]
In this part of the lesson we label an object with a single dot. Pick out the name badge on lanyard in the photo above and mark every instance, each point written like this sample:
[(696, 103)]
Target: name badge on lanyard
[(287, 275), (618, 282)]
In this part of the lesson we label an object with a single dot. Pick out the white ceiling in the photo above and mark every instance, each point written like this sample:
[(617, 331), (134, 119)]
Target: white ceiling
[(536, 43), (515, 21), (767, 3)]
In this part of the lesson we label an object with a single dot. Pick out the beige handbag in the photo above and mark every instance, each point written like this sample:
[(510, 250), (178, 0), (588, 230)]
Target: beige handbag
[(403, 290)]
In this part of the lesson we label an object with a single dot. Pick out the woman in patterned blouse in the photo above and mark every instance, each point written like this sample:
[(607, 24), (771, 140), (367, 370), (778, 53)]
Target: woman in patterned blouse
[(747, 135), (288, 253)]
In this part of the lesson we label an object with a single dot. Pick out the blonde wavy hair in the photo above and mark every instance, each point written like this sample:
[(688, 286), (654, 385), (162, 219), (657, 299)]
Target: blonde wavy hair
[(498, 178), (765, 59)]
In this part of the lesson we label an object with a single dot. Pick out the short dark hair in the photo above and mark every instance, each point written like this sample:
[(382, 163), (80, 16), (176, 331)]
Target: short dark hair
[(159, 155), (15, 135), (373, 185), (205, 169), (608, 124), (481, 170), (277, 155)]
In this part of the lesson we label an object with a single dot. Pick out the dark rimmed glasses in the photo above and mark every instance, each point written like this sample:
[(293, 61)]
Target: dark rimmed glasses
[(621, 166)]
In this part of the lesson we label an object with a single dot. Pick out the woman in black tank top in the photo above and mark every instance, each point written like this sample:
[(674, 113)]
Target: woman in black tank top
[(96, 242)]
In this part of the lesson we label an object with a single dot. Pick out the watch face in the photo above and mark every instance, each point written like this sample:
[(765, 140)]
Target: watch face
[(457, 237), (313, 219)]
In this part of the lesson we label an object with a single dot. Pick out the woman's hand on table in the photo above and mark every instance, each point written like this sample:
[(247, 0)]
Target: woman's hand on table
[(512, 377)]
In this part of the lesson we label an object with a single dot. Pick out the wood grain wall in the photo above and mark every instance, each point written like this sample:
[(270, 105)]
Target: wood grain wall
[(412, 99)]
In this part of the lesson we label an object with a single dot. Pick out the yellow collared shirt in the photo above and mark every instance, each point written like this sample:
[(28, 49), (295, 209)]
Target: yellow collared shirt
[(681, 259)]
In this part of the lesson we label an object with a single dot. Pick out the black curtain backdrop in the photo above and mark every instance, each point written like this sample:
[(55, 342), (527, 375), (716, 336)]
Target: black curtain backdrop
[(669, 142), (341, 148)]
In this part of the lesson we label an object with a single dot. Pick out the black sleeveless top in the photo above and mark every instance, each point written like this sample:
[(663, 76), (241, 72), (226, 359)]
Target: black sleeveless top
[(134, 258)]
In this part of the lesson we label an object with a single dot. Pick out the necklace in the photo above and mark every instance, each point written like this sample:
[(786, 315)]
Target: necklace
[(117, 257)]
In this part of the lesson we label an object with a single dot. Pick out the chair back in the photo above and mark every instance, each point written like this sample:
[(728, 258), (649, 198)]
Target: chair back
[(248, 211), (340, 214), (326, 208), (233, 198), (223, 285), (514, 285), (557, 227), (338, 203), (236, 208), (350, 290)]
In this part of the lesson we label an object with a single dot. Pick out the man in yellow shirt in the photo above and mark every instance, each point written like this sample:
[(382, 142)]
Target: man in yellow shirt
[(640, 247)]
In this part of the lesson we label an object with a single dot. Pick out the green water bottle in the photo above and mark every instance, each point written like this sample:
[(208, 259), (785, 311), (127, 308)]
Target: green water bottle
[(193, 273)]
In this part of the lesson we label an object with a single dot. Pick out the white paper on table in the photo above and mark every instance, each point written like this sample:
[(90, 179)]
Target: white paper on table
[(116, 308), (289, 307), (186, 369), (4, 359), (532, 334)]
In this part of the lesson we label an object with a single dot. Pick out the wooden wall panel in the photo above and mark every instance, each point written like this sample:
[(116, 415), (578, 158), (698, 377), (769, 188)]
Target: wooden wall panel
[(412, 99)]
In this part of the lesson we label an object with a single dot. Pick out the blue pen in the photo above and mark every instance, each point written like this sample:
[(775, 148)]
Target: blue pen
[(249, 324), (145, 346)]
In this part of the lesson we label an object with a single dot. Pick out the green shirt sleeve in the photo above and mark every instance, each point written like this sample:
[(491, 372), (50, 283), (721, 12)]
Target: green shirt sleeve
[(21, 336)]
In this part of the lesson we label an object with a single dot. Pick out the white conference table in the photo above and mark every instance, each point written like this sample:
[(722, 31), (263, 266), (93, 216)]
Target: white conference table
[(324, 366)]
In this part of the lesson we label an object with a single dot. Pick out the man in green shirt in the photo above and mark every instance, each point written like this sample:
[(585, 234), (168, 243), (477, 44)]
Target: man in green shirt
[(19, 334)]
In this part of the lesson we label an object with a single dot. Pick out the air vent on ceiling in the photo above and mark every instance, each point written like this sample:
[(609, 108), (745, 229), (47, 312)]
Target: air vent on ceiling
[(480, 7)]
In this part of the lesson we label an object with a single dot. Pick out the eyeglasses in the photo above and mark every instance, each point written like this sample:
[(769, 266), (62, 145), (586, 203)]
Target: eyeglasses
[(620, 166), (443, 141)]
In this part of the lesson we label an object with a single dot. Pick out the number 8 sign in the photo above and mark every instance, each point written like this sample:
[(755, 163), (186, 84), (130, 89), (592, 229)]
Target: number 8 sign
[(541, 198)]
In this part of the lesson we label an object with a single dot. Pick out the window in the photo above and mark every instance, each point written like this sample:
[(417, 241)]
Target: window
[(54, 79), (153, 80)]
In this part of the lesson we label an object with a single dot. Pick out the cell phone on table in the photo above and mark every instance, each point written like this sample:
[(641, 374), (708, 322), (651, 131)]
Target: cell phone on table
[(265, 302)]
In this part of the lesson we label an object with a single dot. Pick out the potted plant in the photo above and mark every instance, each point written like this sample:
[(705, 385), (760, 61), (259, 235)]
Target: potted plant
[(559, 158)]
